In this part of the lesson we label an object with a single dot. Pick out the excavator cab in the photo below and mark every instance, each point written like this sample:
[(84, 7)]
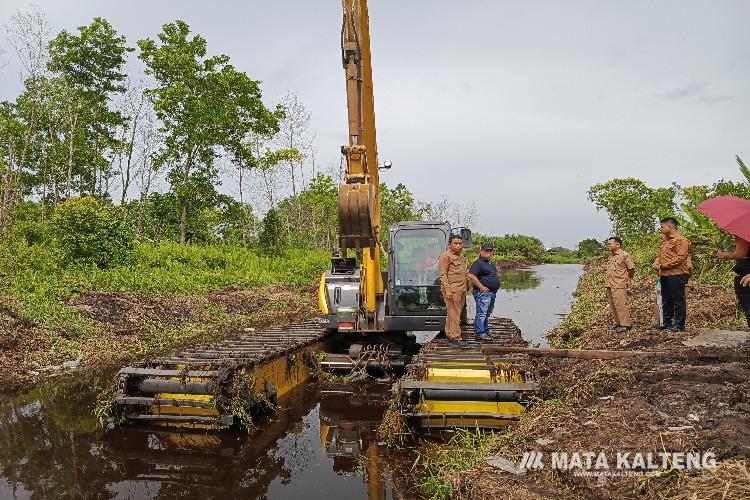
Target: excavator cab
[(412, 299)]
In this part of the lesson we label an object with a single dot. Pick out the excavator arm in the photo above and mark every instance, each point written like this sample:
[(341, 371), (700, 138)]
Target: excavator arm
[(359, 193)]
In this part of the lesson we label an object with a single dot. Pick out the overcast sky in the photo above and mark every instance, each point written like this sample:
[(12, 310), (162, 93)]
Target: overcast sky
[(517, 106)]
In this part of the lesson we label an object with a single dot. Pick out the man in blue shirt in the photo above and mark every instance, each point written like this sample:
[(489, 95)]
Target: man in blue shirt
[(483, 275)]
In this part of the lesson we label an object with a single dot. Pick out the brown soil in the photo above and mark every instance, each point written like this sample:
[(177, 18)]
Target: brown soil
[(128, 326), (130, 314), (702, 394), (514, 264)]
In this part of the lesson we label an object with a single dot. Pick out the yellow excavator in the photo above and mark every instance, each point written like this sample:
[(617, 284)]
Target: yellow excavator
[(443, 387), (355, 295), (366, 313)]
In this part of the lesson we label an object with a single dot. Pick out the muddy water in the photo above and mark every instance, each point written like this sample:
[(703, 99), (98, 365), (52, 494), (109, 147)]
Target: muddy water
[(536, 298), (321, 445)]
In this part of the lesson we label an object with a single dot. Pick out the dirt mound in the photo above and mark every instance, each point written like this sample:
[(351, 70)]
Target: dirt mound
[(286, 300), (130, 314), (682, 401), (237, 300)]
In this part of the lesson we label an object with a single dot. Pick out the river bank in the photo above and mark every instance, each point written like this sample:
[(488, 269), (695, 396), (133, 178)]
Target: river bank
[(683, 399), (125, 326)]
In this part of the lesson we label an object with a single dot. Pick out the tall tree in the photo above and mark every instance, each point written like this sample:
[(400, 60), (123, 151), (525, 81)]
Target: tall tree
[(294, 133), (27, 33), (91, 65), (633, 207), (206, 107)]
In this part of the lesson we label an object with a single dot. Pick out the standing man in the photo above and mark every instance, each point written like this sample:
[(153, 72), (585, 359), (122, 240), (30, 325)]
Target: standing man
[(453, 274), (483, 275), (620, 270), (674, 272)]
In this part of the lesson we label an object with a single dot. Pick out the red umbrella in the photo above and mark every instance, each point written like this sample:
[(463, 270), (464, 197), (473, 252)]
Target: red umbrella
[(730, 213)]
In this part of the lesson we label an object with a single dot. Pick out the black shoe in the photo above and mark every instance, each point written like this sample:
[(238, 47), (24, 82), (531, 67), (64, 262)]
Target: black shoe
[(622, 329), (459, 344), (677, 328), (664, 327)]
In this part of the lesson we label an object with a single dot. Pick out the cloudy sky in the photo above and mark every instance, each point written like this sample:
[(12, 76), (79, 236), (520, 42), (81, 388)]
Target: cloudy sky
[(516, 106)]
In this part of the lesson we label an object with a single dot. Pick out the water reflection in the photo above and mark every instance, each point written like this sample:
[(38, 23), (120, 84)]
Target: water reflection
[(321, 443), (518, 279)]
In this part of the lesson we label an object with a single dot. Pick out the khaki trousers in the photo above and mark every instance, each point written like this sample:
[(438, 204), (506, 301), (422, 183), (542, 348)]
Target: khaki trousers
[(454, 306), (618, 304)]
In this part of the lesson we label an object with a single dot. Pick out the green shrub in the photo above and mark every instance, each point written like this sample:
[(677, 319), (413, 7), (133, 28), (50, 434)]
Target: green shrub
[(271, 240), (519, 245), (91, 232), (590, 247)]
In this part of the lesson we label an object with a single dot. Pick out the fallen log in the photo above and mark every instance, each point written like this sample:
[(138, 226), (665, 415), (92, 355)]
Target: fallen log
[(565, 353)]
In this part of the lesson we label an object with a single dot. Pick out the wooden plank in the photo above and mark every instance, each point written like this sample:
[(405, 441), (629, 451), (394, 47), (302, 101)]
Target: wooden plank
[(155, 372), (175, 418), (566, 353), (423, 384), (133, 400), (442, 416), (470, 367)]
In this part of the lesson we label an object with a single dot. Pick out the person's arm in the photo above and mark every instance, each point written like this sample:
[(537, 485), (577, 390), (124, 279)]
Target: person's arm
[(477, 284), (444, 276), (682, 250), (630, 265), (741, 248), (474, 270)]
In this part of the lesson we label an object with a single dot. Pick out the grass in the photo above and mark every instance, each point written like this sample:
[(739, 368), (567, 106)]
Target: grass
[(39, 279), (546, 258), (587, 305), (438, 463), (36, 285), (560, 259)]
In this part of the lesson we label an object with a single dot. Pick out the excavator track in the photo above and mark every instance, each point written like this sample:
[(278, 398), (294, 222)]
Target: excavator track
[(229, 383), (221, 385), (447, 387)]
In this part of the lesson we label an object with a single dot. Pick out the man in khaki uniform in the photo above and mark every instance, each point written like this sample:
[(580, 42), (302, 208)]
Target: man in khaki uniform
[(453, 276), (620, 270), (673, 267)]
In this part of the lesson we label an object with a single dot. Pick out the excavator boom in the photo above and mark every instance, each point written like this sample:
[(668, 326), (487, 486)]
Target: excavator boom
[(359, 194)]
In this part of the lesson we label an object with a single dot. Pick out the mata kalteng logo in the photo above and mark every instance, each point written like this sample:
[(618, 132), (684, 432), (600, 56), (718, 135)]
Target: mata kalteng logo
[(622, 461)]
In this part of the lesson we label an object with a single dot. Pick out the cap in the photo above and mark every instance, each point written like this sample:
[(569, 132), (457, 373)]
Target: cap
[(488, 247)]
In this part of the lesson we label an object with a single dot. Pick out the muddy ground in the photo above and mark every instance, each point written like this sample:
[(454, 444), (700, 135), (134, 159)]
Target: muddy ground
[(681, 399), (122, 327)]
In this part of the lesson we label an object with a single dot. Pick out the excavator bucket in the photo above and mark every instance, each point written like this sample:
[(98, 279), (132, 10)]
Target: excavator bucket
[(356, 227)]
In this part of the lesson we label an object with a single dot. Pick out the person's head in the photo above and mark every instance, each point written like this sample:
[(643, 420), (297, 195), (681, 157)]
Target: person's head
[(486, 250), (614, 243), (668, 225), (456, 244)]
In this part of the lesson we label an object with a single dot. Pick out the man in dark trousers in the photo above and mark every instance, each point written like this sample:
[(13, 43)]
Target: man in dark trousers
[(483, 275), (674, 272), (453, 284)]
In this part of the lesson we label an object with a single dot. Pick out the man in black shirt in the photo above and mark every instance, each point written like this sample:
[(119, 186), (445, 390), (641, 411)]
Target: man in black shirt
[(483, 275)]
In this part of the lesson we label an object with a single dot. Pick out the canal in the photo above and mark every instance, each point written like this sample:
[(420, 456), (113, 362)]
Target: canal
[(322, 443)]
